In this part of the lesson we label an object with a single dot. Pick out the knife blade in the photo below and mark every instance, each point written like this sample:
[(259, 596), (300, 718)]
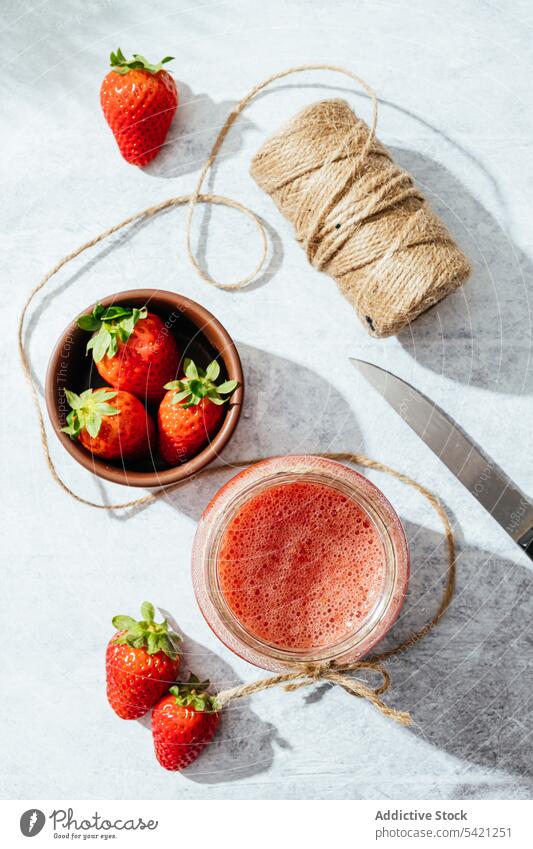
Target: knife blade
[(494, 490)]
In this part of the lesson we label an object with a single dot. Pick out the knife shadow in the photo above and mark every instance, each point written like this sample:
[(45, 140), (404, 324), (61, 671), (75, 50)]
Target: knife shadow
[(467, 684), (480, 334)]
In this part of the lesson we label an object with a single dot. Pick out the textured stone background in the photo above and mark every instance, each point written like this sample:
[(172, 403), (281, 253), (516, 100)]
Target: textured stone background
[(455, 83)]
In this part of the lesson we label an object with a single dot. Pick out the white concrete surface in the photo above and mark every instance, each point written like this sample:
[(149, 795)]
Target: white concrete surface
[(455, 83)]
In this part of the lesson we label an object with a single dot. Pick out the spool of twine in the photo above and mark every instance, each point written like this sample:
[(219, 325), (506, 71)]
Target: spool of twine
[(359, 216), (418, 219)]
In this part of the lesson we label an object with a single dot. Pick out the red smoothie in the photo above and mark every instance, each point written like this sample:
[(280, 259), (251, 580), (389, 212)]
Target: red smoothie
[(301, 565)]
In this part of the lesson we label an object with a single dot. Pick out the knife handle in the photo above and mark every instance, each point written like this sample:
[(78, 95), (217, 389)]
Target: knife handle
[(526, 542)]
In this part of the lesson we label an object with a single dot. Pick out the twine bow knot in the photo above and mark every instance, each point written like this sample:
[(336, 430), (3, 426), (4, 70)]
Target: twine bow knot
[(331, 672)]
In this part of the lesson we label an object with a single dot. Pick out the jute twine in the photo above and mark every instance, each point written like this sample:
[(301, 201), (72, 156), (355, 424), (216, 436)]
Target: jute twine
[(359, 216), (301, 675)]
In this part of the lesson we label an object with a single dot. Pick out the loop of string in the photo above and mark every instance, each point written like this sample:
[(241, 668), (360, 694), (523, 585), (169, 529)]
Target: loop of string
[(219, 141), (331, 673)]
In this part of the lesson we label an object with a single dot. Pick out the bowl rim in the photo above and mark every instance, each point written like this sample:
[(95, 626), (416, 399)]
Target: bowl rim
[(219, 338)]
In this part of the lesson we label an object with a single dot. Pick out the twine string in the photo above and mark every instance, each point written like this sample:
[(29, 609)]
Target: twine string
[(332, 673), (219, 141)]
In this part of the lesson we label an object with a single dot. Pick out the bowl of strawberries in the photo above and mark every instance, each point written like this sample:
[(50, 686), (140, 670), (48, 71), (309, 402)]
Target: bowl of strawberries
[(144, 388)]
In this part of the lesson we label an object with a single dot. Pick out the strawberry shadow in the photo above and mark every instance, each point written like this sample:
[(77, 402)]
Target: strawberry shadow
[(191, 136), (192, 133), (244, 744)]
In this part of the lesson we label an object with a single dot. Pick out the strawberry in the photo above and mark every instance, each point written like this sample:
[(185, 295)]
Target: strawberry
[(183, 723), (139, 101), (132, 348), (142, 659), (191, 411), (122, 429)]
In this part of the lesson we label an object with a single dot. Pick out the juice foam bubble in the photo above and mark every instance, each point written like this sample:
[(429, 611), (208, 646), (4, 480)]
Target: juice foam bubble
[(301, 565)]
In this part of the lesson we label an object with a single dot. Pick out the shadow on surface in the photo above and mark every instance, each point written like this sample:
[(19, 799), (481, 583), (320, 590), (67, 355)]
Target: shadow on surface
[(243, 745), (485, 324), (467, 683), (192, 133), (288, 409)]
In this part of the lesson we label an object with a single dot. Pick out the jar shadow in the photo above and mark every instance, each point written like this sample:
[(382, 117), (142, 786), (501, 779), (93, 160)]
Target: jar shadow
[(467, 684), (244, 744), (310, 419)]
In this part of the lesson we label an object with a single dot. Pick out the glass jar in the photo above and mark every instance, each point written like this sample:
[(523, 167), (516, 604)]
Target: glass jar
[(265, 477)]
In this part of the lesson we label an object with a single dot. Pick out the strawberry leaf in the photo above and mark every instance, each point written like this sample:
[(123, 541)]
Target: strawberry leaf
[(146, 633), (88, 322), (180, 396), (106, 410), (153, 644), (227, 387), (88, 411), (123, 622), (121, 65), (191, 370), (148, 611), (74, 401), (198, 384), (212, 371), (99, 344), (110, 326), (93, 423), (194, 694)]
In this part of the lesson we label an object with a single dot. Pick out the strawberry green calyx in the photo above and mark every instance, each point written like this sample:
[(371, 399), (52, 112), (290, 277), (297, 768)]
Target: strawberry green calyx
[(88, 410), (110, 326), (198, 384), (146, 633), (121, 65), (194, 694)]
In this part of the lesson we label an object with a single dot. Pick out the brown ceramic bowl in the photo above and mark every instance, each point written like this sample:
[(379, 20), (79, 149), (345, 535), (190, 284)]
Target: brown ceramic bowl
[(198, 334)]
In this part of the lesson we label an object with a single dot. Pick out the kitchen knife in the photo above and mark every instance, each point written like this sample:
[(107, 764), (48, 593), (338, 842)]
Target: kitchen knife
[(478, 473)]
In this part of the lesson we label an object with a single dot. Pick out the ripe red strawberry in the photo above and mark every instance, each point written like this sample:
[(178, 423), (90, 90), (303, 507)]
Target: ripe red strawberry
[(132, 349), (139, 101), (183, 723), (191, 411), (122, 429), (142, 660)]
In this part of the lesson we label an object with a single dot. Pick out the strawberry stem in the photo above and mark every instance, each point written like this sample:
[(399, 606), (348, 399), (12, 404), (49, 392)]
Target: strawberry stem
[(110, 325), (194, 694), (147, 633), (88, 411), (198, 384), (121, 65)]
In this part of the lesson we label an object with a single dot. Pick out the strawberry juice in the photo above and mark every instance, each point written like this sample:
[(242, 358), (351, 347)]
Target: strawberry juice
[(301, 564)]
